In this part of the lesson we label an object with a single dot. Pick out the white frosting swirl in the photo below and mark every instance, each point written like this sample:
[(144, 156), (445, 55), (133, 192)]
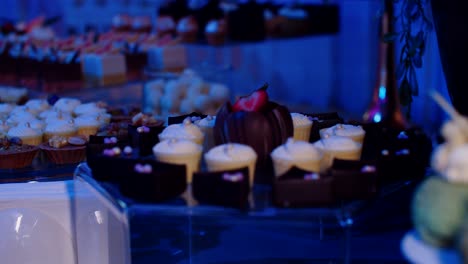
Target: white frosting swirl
[(34, 124), (20, 117), (88, 108), (231, 152), (67, 104), (186, 130), (37, 105), (300, 119), (297, 150), (60, 127), (23, 130), (87, 121), (176, 146), (337, 143), (344, 130), (208, 121), (6, 108)]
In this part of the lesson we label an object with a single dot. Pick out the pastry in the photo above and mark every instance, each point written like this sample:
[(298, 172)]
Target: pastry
[(165, 25), (66, 105), (302, 126), (300, 154), (186, 130), (121, 22), (64, 128), (14, 154), (37, 106), (179, 151), (355, 133), (337, 147), (65, 150), (232, 156), (89, 109), (215, 32), (104, 69), (206, 125), (87, 125), (187, 29), (28, 135)]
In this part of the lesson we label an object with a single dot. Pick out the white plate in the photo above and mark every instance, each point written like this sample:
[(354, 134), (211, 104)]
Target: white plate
[(417, 251)]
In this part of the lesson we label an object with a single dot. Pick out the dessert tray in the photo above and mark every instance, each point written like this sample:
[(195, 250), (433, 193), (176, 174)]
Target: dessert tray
[(191, 233)]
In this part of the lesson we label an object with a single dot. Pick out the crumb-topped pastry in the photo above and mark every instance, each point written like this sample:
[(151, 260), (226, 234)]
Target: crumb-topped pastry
[(65, 150), (14, 154)]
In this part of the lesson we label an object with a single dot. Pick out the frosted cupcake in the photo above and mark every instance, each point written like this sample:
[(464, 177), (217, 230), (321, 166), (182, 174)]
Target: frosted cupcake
[(64, 129), (355, 133), (185, 130), (301, 154), (27, 135), (3, 128), (232, 156), (5, 109), (88, 109), (67, 105), (179, 151), (37, 106), (302, 126), (87, 125), (53, 114), (19, 117), (36, 124), (206, 125), (338, 147)]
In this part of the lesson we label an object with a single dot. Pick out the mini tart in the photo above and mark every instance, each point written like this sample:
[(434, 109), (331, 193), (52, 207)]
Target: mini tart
[(17, 156), (61, 150)]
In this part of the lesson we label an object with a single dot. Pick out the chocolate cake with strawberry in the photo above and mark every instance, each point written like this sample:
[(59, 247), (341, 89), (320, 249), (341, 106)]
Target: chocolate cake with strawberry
[(256, 121)]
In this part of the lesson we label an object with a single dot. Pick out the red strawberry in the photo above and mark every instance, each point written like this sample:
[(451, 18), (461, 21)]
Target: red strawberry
[(253, 102)]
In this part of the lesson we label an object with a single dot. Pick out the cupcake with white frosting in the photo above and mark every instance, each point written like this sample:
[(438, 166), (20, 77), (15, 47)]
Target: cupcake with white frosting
[(28, 135), (181, 152), (88, 109), (3, 128), (355, 133), (232, 156), (36, 124), (37, 106), (185, 130), (18, 117), (87, 125), (301, 154), (302, 126), (64, 129), (206, 125), (67, 105), (338, 147), (5, 109)]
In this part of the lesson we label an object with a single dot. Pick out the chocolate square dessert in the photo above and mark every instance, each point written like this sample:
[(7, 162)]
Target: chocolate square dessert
[(300, 188), (226, 188)]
